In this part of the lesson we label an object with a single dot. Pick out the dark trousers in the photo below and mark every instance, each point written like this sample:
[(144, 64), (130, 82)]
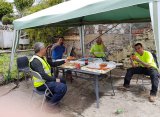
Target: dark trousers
[(57, 88), (152, 72)]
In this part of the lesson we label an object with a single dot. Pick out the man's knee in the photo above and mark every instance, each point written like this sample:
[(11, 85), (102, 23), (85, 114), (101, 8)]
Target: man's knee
[(154, 73), (61, 88), (62, 80), (130, 70)]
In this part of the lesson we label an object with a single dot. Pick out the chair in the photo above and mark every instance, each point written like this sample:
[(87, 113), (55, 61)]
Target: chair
[(49, 53), (142, 77), (49, 60), (23, 66), (49, 56), (43, 93)]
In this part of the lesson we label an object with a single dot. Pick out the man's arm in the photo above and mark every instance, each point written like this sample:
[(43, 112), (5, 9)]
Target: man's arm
[(132, 63), (36, 65), (56, 63), (92, 51), (142, 63), (54, 46), (65, 50)]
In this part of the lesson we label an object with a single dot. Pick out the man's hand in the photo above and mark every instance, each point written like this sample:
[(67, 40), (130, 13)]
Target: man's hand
[(137, 59), (133, 57), (66, 60), (92, 55), (57, 80)]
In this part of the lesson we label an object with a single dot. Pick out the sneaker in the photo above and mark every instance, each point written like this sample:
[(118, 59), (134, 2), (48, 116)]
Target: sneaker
[(152, 98)]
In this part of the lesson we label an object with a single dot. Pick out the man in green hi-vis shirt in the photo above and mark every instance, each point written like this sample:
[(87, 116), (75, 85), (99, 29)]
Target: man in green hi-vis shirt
[(143, 63), (98, 49)]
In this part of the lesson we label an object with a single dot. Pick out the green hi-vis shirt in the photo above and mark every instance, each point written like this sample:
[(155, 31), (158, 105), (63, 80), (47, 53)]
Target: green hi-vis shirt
[(146, 58), (98, 50)]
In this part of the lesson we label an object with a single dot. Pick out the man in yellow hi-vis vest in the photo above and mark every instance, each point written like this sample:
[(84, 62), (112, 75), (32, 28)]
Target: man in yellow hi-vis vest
[(98, 49), (39, 64)]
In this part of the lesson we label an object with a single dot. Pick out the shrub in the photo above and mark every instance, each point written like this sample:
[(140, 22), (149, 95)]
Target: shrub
[(7, 19)]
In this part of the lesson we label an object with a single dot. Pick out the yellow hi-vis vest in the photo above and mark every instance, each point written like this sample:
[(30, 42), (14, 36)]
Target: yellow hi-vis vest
[(46, 67)]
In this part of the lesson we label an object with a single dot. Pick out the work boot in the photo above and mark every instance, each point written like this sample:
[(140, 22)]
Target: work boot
[(152, 98)]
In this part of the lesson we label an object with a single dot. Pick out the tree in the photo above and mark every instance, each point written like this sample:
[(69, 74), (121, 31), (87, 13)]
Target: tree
[(5, 8), (44, 34), (43, 4), (23, 5), (52, 2)]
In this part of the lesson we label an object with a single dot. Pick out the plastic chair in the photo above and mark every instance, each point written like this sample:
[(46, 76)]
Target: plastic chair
[(23, 66), (43, 93)]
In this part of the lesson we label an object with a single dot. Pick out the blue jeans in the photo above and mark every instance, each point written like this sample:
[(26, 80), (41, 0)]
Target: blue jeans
[(152, 72), (57, 88)]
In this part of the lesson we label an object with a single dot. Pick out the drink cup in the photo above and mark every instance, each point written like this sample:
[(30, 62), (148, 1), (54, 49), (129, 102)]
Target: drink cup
[(78, 66)]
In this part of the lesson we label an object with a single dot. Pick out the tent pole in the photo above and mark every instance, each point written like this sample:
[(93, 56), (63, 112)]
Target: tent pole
[(81, 32), (155, 18), (14, 46)]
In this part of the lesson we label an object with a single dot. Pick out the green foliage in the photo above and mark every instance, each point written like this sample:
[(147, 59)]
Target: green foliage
[(51, 2), (44, 4), (4, 66), (8, 19), (5, 8), (22, 5), (45, 34)]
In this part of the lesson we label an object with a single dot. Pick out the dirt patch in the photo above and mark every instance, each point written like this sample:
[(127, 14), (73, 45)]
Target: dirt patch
[(80, 100)]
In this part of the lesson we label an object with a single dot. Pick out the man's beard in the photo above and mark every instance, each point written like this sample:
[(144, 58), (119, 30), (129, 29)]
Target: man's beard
[(61, 43)]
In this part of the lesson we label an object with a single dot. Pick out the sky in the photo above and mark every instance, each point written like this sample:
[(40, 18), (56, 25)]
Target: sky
[(10, 0)]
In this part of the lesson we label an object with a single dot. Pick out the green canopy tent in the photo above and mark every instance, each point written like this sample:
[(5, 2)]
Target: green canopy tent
[(84, 12)]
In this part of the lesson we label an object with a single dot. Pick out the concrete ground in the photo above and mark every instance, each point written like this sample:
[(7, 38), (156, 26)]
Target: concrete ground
[(80, 100)]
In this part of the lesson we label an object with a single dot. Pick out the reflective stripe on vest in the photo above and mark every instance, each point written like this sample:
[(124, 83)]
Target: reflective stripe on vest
[(46, 68)]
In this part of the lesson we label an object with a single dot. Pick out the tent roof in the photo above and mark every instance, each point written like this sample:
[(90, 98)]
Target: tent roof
[(83, 12)]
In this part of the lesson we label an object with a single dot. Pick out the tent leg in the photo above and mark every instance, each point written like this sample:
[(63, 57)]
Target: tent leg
[(81, 32), (155, 18), (14, 46)]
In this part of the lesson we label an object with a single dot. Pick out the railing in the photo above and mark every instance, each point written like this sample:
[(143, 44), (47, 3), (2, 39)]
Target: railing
[(88, 45)]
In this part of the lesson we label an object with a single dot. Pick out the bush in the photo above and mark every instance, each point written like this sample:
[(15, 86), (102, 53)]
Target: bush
[(7, 19)]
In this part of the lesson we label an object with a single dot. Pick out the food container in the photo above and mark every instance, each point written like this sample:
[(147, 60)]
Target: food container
[(102, 65)]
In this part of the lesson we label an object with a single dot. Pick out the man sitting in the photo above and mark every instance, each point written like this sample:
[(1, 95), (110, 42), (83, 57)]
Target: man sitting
[(58, 49), (39, 64), (143, 63), (98, 49)]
